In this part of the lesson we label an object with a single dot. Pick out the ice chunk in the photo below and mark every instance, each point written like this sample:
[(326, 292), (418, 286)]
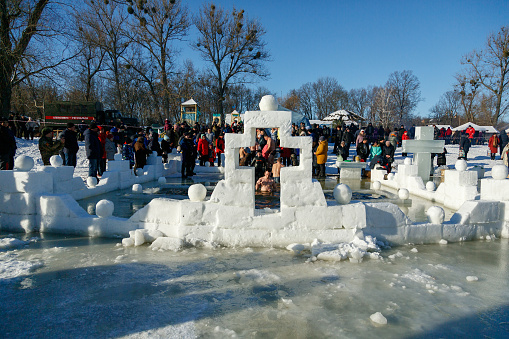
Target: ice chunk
[(11, 242), (128, 242), (139, 238), (378, 318), (472, 278), (414, 250), (167, 244), (442, 242), (296, 248)]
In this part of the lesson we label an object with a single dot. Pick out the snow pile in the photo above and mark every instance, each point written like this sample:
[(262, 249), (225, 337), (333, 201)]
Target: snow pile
[(11, 242), (355, 250), (11, 267)]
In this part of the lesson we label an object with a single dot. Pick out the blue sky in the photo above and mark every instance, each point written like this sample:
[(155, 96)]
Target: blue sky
[(361, 42)]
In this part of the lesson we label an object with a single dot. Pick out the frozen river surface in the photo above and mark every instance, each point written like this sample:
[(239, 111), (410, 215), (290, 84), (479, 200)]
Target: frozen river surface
[(68, 287)]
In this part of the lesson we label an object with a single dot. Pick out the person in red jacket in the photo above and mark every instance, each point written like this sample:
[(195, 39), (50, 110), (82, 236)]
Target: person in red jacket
[(493, 144), (470, 131), (219, 148), (404, 137), (203, 150)]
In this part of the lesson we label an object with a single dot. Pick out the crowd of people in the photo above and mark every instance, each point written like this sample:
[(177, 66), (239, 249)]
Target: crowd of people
[(205, 143)]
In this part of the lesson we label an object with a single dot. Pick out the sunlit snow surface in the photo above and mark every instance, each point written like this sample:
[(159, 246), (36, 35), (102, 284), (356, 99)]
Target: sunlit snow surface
[(79, 287)]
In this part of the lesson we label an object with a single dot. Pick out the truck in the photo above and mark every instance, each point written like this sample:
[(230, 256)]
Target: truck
[(57, 114)]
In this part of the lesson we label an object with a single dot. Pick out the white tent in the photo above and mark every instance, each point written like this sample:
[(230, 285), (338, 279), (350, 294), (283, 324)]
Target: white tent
[(343, 115), (487, 129), (320, 122)]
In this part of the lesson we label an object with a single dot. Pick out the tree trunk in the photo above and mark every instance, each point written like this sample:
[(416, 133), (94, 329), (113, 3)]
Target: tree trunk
[(5, 90)]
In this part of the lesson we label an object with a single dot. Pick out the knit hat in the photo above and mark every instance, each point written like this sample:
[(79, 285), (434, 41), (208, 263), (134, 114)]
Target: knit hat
[(322, 138), (46, 130)]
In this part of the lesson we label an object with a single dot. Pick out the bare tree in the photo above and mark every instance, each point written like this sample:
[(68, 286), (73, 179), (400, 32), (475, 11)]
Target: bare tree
[(359, 101), (20, 22), (157, 24), (468, 90), (406, 93), (328, 96), (305, 93), (382, 106), (233, 45), (447, 107), (490, 67), (104, 21)]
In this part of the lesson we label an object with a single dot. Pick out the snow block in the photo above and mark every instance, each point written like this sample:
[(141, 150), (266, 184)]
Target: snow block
[(407, 170), (294, 173), (62, 173), (268, 119), (159, 211), (193, 234), (26, 182), (478, 212), (67, 187), (302, 193), (350, 173), (492, 189), (235, 217), (227, 193), (378, 175), (191, 213), (319, 217), (460, 178), (17, 203), (354, 215), (423, 233), (246, 238), (60, 205), (385, 215), (122, 165)]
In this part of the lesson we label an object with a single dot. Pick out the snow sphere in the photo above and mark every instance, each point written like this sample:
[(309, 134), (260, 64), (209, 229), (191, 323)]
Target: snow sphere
[(24, 163), (207, 164), (342, 193), (161, 180), (403, 193), (166, 166), (91, 182), (376, 185), (408, 161), (137, 188), (390, 176), (268, 103), (430, 186), (436, 215), (499, 172), (461, 165), (104, 208), (56, 161), (139, 171), (197, 192)]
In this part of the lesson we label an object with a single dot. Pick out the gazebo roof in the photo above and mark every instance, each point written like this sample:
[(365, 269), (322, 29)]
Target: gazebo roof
[(189, 103)]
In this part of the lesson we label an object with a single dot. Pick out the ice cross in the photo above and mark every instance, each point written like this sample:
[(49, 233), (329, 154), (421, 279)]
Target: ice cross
[(422, 147)]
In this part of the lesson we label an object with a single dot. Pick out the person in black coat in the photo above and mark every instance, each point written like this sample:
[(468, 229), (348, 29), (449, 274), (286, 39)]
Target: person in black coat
[(347, 138), (93, 149), (363, 149), (343, 151), (504, 140), (464, 146), (7, 146), (388, 155), (71, 147)]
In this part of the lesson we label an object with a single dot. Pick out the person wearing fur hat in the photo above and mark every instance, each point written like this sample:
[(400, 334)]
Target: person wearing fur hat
[(49, 147)]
